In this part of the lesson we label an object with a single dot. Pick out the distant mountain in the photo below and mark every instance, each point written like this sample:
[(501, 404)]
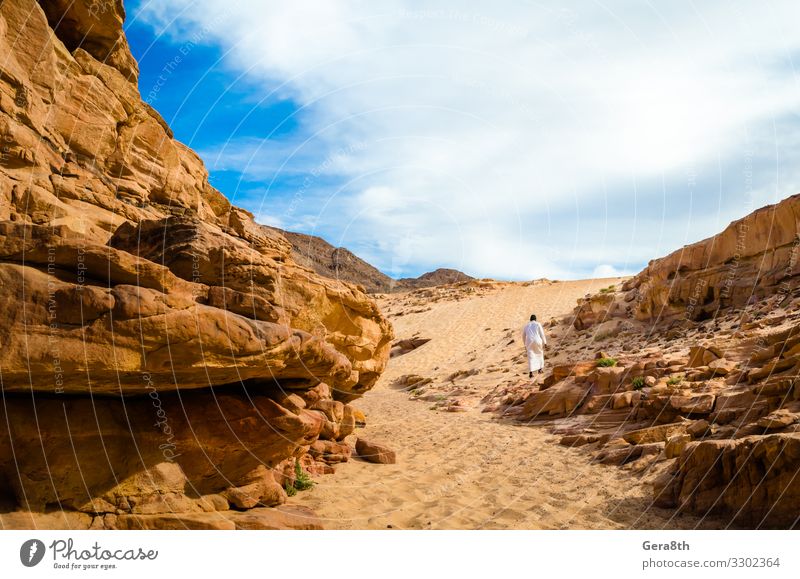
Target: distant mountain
[(336, 262), (440, 276), (340, 263)]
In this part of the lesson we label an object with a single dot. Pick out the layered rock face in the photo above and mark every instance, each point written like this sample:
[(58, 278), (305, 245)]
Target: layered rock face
[(697, 376), (715, 430), (163, 357), (755, 257)]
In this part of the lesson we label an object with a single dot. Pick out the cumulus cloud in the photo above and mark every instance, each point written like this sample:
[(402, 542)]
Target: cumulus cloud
[(511, 139)]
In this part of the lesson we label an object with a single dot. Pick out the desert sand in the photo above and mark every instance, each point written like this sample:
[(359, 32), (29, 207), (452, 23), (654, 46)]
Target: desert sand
[(464, 469)]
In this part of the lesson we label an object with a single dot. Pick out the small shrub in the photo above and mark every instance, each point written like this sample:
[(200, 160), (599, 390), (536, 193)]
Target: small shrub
[(638, 382), (302, 482), (608, 289), (606, 362), (674, 380)]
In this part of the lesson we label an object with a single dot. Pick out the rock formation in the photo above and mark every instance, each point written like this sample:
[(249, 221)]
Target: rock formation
[(164, 359), (717, 429), (699, 377), (755, 257)]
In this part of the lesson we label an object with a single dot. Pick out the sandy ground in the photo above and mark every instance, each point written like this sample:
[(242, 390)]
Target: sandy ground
[(467, 470)]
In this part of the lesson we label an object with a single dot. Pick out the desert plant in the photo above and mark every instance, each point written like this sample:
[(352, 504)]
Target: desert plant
[(638, 382), (608, 289), (289, 488), (606, 362), (674, 380), (302, 482)]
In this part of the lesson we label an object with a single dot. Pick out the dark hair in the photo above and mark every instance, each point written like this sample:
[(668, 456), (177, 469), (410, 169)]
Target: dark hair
[(533, 317)]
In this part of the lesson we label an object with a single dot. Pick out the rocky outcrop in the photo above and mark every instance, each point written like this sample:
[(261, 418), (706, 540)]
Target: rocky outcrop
[(80, 147), (374, 452), (754, 258), (752, 481), (256, 280), (164, 359), (725, 413), (716, 419)]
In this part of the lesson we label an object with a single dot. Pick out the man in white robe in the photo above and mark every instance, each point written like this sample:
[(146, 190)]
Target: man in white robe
[(533, 337)]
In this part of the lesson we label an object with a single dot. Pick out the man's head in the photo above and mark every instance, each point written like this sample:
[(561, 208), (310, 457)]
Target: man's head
[(533, 317)]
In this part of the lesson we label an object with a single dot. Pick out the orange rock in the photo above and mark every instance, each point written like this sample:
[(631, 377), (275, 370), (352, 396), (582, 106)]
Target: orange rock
[(135, 295), (373, 452), (751, 481)]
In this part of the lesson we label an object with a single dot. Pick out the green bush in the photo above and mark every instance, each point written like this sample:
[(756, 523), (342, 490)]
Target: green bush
[(638, 382), (608, 289), (302, 482), (674, 380), (606, 362)]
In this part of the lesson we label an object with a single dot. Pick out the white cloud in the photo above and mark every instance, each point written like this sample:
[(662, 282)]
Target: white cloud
[(478, 136), (607, 270)]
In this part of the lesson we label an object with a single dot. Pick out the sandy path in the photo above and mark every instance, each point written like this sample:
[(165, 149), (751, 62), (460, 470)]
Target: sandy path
[(465, 470)]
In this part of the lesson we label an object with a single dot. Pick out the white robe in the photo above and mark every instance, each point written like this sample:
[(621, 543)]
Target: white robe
[(533, 336)]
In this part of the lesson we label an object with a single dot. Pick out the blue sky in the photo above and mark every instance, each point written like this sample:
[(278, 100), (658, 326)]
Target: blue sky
[(514, 140)]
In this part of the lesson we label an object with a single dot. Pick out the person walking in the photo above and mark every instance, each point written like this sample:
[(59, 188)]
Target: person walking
[(534, 340)]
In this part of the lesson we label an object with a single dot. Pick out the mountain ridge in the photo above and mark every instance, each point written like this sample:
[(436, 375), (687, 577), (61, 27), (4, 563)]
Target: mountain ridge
[(340, 263)]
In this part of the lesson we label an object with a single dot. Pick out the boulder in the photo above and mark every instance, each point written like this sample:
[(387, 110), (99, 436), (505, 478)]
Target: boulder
[(559, 400), (701, 356), (608, 380), (579, 439), (374, 452), (654, 433), (330, 452), (693, 403), (620, 455), (698, 428), (722, 367), (778, 420)]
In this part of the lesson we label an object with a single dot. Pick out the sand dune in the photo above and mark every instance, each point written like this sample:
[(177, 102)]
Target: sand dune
[(466, 470)]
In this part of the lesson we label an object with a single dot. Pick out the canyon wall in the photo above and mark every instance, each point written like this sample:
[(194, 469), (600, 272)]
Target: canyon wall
[(164, 359)]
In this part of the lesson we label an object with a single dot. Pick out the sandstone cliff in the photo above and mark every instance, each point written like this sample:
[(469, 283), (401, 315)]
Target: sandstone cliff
[(695, 386), (163, 357), (755, 257)]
